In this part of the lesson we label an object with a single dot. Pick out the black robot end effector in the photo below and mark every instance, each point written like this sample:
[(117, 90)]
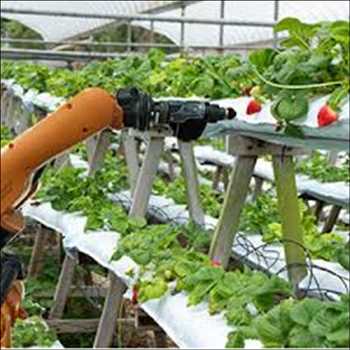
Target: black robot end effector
[(187, 119), (137, 107)]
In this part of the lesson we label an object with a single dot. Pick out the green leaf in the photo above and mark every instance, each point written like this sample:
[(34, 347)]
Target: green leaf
[(339, 31), (235, 340), (320, 324), (142, 257), (273, 328), (303, 312), (340, 337), (300, 32), (261, 59), (300, 337), (290, 106), (337, 97), (153, 290), (136, 223), (293, 130)]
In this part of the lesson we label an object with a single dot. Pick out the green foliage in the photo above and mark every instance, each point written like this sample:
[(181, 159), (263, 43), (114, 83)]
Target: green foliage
[(172, 254), (262, 216), (309, 323), (184, 76), (15, 30), (70, 190), (318, 167), (313, 61), (5, 136), (32, 332), (176, 190)]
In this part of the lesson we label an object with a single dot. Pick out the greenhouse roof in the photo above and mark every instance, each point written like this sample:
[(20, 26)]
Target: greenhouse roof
[(260, 11), (58, 28), (61, 28)]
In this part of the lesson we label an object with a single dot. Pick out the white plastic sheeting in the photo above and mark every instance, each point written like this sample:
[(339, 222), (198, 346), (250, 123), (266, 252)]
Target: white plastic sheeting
[(54, 28), (188, 327), (58, 28)]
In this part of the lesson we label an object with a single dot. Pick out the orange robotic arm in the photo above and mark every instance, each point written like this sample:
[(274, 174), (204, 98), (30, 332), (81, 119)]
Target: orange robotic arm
[(84, 115)]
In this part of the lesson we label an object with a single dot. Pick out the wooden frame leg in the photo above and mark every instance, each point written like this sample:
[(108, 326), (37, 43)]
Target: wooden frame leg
[(221, 247), (38, 253), (217, 176), (190, 174), (287, 196), (63, 287), (258, 187), (226, 178), (318, 210), (332, 219), (146, 178), (91, 146), (171, 165), (62, 161), (332, 157), (132, 159), (101, 148), (109, 318)]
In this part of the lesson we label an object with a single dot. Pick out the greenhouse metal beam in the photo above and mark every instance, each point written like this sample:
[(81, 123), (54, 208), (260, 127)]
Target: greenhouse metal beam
[(174, 5), (73, 42), (188, 20), (25, 54), (246, 46)]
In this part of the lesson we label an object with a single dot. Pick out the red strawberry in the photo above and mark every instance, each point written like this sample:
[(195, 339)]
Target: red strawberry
[(326, 116), (215, 263), (135, 295), (253, 107)]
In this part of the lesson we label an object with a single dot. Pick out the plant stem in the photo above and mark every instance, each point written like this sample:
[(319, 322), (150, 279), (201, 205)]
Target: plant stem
[(297, 87)]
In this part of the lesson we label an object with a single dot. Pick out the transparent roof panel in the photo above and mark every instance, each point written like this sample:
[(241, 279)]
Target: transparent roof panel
[(261, 11), (60, 28)]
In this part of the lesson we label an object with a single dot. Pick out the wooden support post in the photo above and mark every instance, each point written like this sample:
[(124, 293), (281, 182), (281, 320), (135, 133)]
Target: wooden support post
[(38, 253), (221, 247), (101, 148), (230, 144), (332, 219), (73, 326), (318, 209), (63, 287), (258, 187), (190, 174), (226, 177), (146, 177), (332, 157), (287, 196), (217, 176), (171, 165), (108, 321), (132, 159), (62, 161), (90, 147)]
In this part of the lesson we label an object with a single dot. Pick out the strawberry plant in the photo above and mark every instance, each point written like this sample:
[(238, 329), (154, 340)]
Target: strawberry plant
[(176, 190), (262, 216), (313, 61), (304, 324), (319, 168), (32, 332)]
